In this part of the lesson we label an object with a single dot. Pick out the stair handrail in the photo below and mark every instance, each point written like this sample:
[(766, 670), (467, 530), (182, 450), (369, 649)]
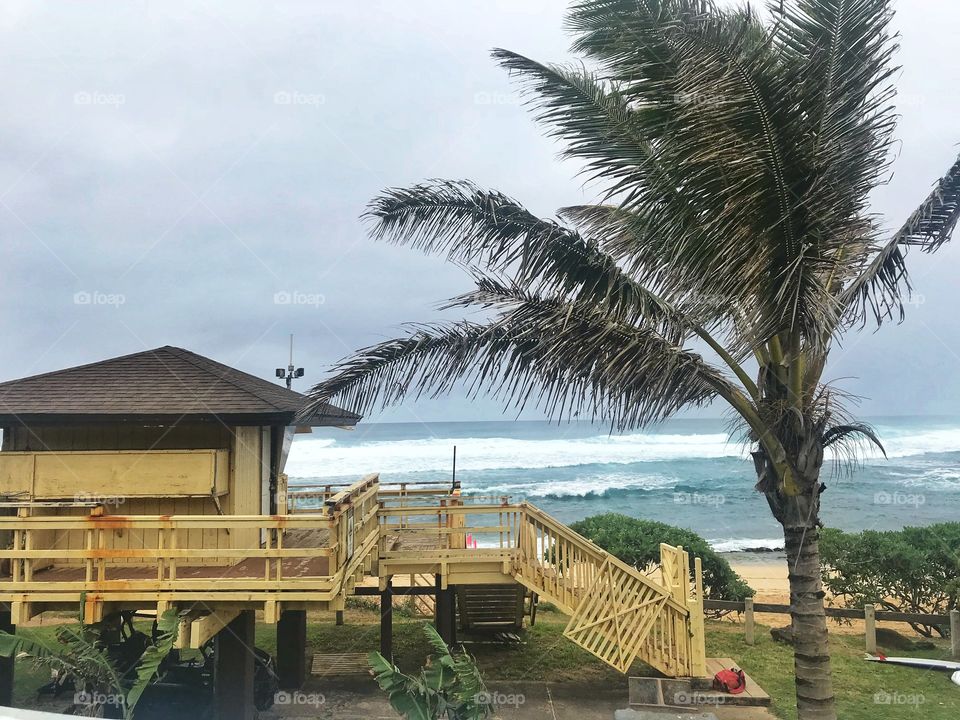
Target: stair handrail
[(601, 554)]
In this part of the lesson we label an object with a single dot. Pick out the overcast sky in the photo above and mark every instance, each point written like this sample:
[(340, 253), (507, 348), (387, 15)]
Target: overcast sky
[(192, 174)]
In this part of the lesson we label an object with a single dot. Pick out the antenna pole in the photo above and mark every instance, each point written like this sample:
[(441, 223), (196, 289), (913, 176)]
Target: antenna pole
[(291, 372), (290, 366), (454, 478)]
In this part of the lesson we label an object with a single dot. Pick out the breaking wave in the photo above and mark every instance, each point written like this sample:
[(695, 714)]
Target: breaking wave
[(325, 458)]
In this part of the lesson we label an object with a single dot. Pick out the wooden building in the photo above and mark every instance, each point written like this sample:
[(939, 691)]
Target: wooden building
[(161, 433)]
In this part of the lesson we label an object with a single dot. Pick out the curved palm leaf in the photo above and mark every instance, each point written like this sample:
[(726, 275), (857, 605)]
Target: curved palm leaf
[(565, 356), (879, 289), (728, 216), (852, 431), (477, 226)]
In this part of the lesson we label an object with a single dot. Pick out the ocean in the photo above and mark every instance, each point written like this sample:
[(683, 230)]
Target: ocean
[(685, 472)]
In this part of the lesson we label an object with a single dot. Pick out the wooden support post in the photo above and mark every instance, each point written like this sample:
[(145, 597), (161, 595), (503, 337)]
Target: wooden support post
[(870, 628), (292, 649), (445, 612), (955, 633), (233, 670), (438, 603), (386, 620), (6, 664), (749, 630), (451, 613)]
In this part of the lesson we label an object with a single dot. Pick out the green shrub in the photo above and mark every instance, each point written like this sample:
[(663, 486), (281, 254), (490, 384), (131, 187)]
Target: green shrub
[(914, 570), (637, 543), (448, 686)]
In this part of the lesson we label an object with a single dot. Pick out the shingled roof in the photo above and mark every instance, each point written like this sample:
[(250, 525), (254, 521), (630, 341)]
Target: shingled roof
[(167, 383)]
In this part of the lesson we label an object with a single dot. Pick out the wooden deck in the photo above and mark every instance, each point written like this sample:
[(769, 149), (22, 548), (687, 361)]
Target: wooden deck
[(315, 560)]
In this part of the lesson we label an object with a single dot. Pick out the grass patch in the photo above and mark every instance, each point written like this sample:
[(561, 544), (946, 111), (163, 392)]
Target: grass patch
[(545, 655), (855, 681)]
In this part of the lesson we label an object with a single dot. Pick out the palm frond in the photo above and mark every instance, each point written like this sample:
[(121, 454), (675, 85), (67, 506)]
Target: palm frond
[(839, 58), (704, 93), (565, 357), (486, 228), (91, 661), (76, 653), (879, 289), (852, 431), (406, 694), (597, 125), (932, 224)]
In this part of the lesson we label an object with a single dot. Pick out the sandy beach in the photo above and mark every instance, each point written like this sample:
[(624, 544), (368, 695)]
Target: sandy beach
[(764, 572)]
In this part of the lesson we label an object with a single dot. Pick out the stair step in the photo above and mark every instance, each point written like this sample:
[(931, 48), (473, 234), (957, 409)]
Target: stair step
[(339, 664), (694, 692)]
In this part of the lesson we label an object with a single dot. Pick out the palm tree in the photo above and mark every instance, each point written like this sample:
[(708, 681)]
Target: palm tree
[(732, 247)]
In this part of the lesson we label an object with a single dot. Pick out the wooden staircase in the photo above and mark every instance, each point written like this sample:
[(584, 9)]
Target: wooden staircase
[(616, 612), (491, 607)]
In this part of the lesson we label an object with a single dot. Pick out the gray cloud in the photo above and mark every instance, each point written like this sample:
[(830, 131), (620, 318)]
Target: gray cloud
[(196, 160)]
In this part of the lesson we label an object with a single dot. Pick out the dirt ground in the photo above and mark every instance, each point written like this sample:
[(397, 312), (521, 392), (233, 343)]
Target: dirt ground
[(360, 699)]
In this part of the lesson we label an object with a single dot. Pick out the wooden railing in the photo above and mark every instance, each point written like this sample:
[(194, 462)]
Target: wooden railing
[(432, 522), (617, 612), (868, 613), (304, 496), (136, 558)]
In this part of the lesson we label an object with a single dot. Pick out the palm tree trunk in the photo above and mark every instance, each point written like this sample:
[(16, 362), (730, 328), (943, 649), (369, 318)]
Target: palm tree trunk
[(800, 517), (811, 651)]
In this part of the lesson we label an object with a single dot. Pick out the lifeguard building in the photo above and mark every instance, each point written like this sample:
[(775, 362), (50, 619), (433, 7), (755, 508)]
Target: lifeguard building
[(156, 480)]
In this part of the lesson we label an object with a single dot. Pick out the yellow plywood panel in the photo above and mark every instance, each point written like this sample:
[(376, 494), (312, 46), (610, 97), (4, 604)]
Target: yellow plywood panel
[(104, 475), (244, 497), (16, 473)]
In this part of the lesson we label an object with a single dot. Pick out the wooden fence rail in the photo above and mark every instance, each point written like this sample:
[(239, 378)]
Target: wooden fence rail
[(869, 614)]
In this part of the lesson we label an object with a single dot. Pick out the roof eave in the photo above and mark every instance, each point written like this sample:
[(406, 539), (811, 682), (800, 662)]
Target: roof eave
[(233, 418)]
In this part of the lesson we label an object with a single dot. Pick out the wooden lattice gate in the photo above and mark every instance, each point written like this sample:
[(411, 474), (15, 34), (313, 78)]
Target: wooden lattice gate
[(615, 617)]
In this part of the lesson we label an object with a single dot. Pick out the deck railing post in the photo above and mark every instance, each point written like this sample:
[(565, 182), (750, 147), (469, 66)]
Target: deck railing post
[(443, 520), (16, 564), (27, 545), (749, 630), (698, 655), (101, 561)]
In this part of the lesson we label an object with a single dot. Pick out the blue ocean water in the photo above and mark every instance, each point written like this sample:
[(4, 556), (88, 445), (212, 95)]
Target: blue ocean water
[(684, 472)]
